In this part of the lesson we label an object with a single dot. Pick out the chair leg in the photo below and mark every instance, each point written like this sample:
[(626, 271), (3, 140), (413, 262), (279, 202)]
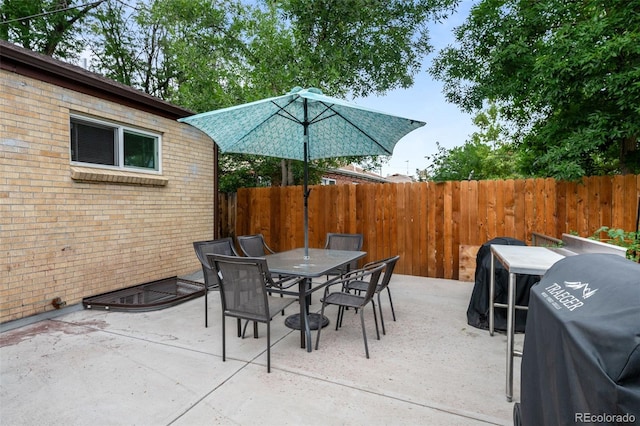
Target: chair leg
[(341, 310), (381, 317), (375, 318), (281, 295), (206, 307), (255, 329), (320, 327), (364, 333), (268, 345), (224, 343), (240, 332), (393, 312), (338, 317)]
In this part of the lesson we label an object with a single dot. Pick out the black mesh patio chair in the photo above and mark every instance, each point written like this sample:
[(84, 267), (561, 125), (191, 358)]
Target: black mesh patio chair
[(202, 248), (344, 299), (360, 286), (352, 242), (254, 245), (245, 287)]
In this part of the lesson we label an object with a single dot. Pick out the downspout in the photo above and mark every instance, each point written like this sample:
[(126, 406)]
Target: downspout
[(216, 198)]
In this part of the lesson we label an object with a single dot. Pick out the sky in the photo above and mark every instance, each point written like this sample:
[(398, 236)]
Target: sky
[(446, 123)]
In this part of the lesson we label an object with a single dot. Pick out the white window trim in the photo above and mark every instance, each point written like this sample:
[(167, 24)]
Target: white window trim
[(120, 135), (329, 181)]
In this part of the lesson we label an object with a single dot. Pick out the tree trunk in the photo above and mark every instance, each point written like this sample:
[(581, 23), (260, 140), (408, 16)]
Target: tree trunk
[(290, 173), (287, 173), (628, 152)]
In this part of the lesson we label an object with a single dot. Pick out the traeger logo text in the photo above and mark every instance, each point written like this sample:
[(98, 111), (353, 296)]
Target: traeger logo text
[(586, 291), (565, 298)]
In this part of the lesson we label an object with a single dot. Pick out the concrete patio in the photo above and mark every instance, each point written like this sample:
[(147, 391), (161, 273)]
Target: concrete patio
[(165, 368)]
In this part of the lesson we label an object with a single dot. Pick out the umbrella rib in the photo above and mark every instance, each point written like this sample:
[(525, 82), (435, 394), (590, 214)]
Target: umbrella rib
[(281, 109), (286, 114), (330, 107)]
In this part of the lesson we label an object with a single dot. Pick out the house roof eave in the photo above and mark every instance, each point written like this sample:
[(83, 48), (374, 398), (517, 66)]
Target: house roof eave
[(353, 174), (44, 68)]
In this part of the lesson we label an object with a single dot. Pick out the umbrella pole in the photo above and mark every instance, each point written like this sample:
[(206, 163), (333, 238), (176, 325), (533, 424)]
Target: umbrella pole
[(306, 182), (306, 206)]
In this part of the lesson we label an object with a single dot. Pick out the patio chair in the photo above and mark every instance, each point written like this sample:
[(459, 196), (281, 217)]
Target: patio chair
[(351, 242), (211, 280), (360, 286), (245, 287), (254, 245), (344, 299)]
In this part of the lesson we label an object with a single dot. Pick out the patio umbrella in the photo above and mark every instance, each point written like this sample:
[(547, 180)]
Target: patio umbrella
[(303, 125)]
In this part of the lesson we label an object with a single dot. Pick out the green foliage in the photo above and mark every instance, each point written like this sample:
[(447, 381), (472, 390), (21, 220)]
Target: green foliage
[(245, 171), (565, 75), (51, 27), (114, 51), (359, 46), (487, 155), (622, 238)]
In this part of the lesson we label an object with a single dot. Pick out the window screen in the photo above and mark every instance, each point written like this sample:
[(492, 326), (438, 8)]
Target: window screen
[(93, 144)]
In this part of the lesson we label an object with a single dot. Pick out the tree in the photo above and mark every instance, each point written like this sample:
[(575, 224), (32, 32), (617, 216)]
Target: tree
[(51, 27), (565, 75), (488, 154), (360, 46), (114, 44)]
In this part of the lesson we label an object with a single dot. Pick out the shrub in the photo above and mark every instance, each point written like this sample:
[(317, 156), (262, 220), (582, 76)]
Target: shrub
[(622, 238)]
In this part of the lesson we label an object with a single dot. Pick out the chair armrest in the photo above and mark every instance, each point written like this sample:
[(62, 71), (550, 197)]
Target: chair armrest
[(355, 275), (286, 281)]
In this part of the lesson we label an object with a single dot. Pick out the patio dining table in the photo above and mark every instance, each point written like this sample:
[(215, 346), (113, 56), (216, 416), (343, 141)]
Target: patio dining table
[(318, 264)]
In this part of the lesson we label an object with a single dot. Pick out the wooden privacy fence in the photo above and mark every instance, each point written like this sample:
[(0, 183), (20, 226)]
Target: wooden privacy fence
[(427, 223)]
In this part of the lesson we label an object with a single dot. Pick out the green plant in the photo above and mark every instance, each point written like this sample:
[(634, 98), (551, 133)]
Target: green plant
[(622, 238)]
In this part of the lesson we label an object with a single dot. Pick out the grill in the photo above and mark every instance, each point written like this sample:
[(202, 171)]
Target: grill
[(581, 354)]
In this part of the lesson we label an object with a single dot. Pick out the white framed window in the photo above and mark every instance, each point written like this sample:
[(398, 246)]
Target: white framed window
[(106, 144), (328, 181)]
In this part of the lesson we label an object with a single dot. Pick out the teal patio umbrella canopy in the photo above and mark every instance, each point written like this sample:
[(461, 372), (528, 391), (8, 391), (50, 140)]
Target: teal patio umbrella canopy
[(303, 125)]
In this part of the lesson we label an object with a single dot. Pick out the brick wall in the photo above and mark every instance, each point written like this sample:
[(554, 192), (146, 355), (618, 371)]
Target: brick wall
[(65, 235)]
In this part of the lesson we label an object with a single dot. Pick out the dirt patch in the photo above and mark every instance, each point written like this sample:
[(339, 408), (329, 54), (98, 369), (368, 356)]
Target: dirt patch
[(13, 337)]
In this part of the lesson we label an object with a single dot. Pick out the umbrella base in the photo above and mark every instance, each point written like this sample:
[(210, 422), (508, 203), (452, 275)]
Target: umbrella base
[(293, 321)]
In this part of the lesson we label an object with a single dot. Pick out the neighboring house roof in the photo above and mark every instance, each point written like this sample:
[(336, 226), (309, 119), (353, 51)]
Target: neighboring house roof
[(45, 68), (353, 173), (398, 178)]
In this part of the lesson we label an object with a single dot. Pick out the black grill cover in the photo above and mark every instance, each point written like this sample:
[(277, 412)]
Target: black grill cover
[(478, 310), (581, 356)]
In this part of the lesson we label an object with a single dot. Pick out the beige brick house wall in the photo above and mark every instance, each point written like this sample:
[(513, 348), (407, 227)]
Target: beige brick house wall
[(64, 231)]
